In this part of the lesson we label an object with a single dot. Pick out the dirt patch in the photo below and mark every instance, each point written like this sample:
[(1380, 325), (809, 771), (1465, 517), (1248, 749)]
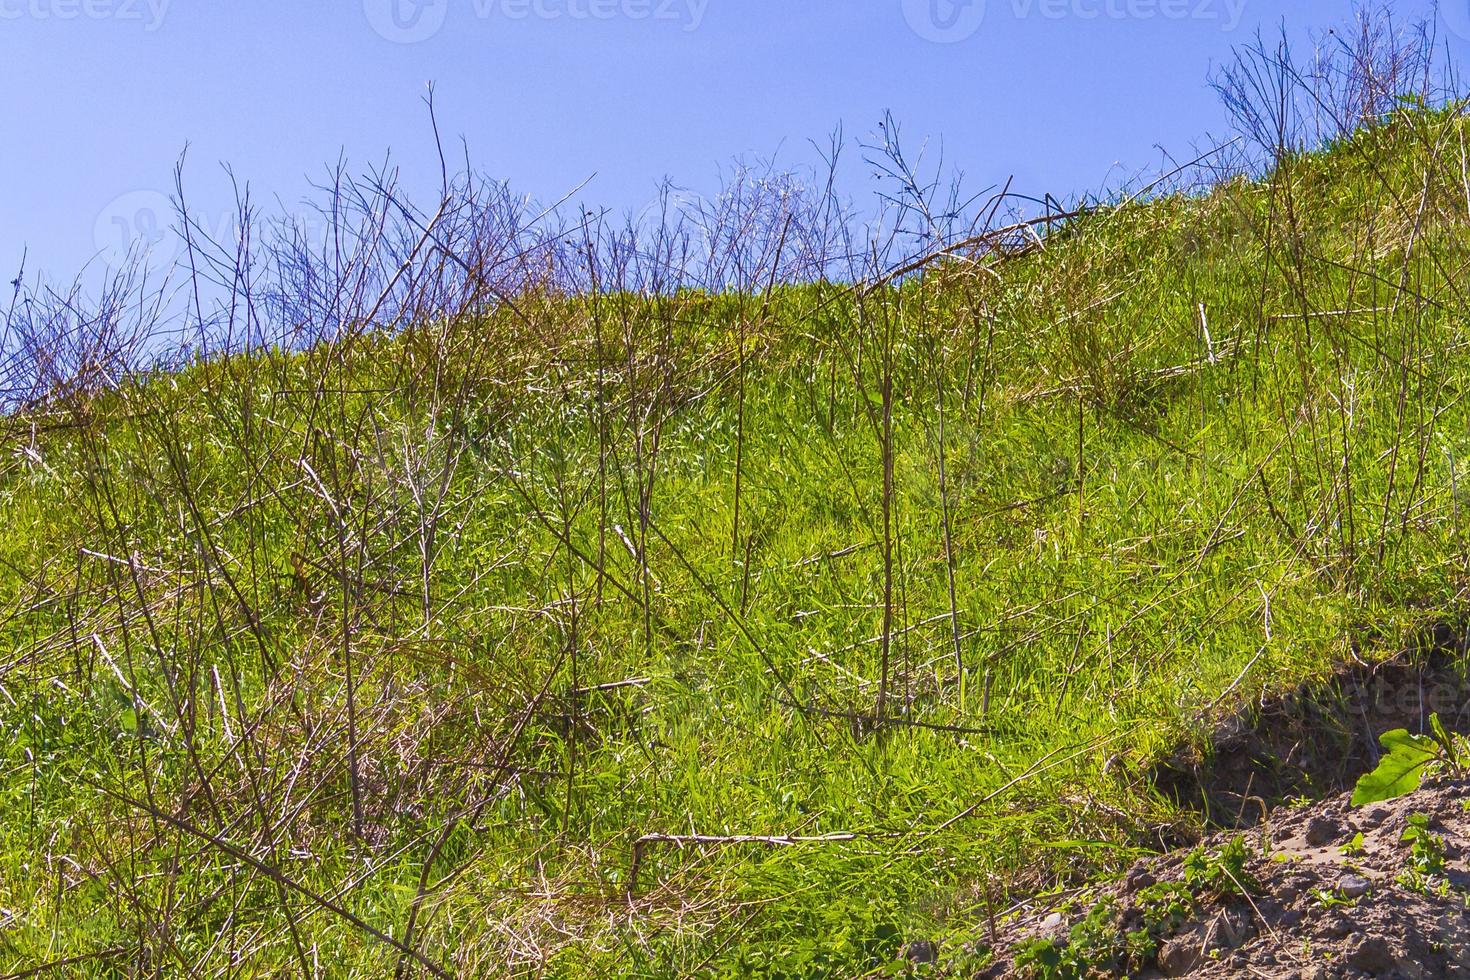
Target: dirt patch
[(1320, 891), (1316, 741), (1286, 889)]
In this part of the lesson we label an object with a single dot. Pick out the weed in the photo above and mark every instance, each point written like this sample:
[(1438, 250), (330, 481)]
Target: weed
[(1098, 946), (1330, 898), (1409, 759), (1223, 872), (1425, 866), (1095, 946)]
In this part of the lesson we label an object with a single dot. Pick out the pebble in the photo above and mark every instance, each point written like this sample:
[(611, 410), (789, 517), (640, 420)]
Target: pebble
[(1375, 815), (1138, 879), (1354, 886), (1053, 927), (1322, 831)]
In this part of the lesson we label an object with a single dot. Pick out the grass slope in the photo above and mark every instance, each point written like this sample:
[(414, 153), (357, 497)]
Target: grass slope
[(396, 648)]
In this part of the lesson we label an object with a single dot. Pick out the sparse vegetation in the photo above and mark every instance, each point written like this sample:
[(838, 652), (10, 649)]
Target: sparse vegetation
[(1425, 866), (1221, 872)]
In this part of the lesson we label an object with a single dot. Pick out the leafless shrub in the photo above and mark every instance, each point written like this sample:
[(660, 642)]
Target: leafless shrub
[(61, 342), (1284, 103)]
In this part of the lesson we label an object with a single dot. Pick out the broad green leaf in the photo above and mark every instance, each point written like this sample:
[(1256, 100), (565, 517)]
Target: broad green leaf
[(1401, 769)]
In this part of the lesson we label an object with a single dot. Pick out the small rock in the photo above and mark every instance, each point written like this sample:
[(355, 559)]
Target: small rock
[(1373, 956), (921, 951), (1053, 927), (1322, 831), (1354, 886), (1138, 879), (1375, 815), (1289, 888)]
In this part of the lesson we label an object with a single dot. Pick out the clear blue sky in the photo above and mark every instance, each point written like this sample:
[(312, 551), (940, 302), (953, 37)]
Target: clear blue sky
[(100, 96)]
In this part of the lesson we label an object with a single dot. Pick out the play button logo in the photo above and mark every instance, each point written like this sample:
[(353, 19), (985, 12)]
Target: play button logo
[(406, 21), (948, 21), (1456, 16)]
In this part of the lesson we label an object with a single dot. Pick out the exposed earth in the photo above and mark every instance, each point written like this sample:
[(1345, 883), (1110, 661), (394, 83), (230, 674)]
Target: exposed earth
[(1320, 890)]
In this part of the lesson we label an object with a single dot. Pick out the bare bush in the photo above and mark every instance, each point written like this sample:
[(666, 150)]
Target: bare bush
[(1285, 103)]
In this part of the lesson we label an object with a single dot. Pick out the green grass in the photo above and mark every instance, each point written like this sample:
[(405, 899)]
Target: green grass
[(469, 605)]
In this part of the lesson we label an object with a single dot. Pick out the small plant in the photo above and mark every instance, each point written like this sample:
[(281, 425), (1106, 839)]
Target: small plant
[(1095, 946), (1354, 847), (1426, 850), (1165, 905), (1408, 759), (1041, 958), (1223, 872), (1097, 939), (1142, 945), (1331, 898), (1425, 868)]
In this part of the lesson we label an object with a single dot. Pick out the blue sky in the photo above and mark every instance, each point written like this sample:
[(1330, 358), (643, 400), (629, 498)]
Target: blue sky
[(101, 96)]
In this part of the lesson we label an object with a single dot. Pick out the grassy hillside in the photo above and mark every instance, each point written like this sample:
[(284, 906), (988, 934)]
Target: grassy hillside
[(761, 632)]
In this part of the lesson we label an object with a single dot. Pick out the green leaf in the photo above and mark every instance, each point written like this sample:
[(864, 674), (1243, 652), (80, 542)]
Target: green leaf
[(1417, 826), (1401, 769), (1440, 735)]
